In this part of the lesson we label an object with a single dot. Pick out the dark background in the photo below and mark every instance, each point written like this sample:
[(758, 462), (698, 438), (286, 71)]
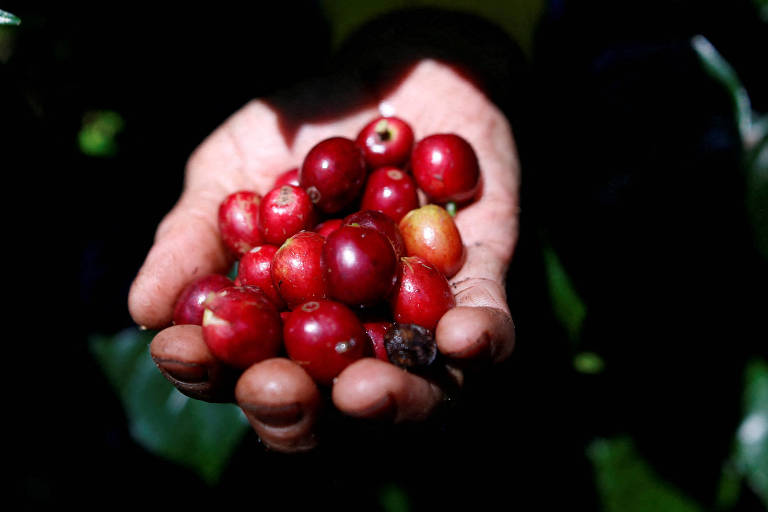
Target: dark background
[(632, 173)]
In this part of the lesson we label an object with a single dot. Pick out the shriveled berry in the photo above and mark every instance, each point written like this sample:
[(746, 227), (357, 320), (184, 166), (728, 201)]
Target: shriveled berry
[(239, 221), (191, 303), (410, 346)]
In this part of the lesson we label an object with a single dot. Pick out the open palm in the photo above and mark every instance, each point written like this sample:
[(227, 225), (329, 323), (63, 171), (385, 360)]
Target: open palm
[(249, 151)]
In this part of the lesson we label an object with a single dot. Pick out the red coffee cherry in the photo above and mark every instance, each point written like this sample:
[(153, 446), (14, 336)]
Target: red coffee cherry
[(328, 227), (191, 303), (390, 191), (324, 337), (239, 221), (376, 332), (241, 326), (361, 265), (255, 269), (386, 141), (290, 177), (430, 233), (298, 269), (285, 211), (333, 173), (445, 167), (381, 223), (422, 295)]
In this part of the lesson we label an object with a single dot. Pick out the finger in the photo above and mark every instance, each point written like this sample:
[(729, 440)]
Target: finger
[(477, 334), (374, 389), (281, 401), (184, 359)]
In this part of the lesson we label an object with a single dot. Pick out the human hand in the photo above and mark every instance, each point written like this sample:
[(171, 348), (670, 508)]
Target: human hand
[(249, 151)]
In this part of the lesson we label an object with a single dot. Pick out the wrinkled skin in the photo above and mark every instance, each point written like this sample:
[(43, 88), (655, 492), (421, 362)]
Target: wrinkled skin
[(249, 151)]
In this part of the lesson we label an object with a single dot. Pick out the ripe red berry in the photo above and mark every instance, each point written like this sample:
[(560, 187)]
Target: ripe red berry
[(255, 269), (191, 303), (390, 191), (241, 326), (422, 295), (298, 269), (376, 332), (333, 174), (430, 233), (328, 227), (381, 223), (239, 221), (284, 212), (445, 167), (386, 141), (324, 337), (361, 265), (290, 177)]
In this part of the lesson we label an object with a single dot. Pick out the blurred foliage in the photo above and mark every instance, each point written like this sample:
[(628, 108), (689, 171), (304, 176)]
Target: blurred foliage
[(97, 137), (393, 498), (569, 309), (196, 434), (752, 436), (518, 18), (7, 18), (627, 483)]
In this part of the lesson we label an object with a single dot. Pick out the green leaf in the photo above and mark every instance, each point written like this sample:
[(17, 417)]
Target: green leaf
[(97, 136), (752, 434), (627, 483), (568, 306), (198, 435), (588, 362), (393, 498), (7, 18)]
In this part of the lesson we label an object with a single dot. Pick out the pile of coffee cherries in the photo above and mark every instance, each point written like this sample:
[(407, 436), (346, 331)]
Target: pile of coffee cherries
[(338, 261)]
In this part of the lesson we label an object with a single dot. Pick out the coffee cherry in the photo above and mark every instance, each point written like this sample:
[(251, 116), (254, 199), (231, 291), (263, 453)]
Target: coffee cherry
[(361, 265), (328, 227), (430, 233), (241, 326), (255, 269), (445, 167), (298, 269), (386, 141), (290, 177), (381, 223), (422, 295), (191, 303), (390, 191), (284, 212), (239, 221), (333, 173), (324, 337), (376, 332)]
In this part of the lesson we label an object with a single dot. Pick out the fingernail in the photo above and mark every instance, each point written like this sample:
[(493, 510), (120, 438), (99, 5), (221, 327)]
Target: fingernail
[(275, 415), (191, 373)]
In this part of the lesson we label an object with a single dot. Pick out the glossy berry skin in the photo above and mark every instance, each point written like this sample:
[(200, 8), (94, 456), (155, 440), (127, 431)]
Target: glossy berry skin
[(361, 265), (290, 177), (255, 269), (285, 211), (386, 141), (445, 167), (390, 191), (422, 295), (333, 174), (241, 326), (430, 233), (298, 269), (328, 227), (381, 223), (239, 221), (191, 303), (324, 337), (376, 332)]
